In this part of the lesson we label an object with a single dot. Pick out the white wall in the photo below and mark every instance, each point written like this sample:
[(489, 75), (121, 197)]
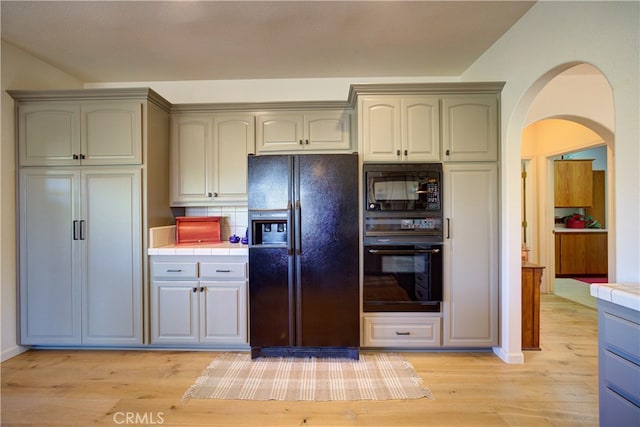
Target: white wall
[(273, 90), (549, 38), (19, 71)]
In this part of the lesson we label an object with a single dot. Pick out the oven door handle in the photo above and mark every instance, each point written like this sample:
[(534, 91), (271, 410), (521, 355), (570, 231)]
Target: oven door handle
[(403, 251)]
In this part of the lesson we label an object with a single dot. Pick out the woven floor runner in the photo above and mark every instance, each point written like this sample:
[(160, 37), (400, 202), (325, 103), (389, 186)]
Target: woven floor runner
[(377, 376)]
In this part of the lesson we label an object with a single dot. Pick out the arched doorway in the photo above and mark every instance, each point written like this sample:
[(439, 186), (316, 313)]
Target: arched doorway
[(563, 118)]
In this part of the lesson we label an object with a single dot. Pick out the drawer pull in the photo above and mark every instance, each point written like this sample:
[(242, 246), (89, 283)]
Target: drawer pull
[(223, 271), (403, 333), (174, 270)]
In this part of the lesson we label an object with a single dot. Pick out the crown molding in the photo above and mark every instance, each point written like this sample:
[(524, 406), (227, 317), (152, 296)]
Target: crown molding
[(467, 88), (91, 95)]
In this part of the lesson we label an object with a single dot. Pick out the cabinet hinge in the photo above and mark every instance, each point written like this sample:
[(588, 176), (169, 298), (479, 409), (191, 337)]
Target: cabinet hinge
[(524, 224), (524, 174)]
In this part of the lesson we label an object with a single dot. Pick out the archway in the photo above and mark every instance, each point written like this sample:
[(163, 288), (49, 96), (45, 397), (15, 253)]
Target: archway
[(564, 118)]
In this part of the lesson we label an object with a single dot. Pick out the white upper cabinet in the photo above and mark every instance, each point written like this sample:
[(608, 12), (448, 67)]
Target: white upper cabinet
[(325, 131), (233, 141), (191, 154), (111, 133), (209, 158), (403, 128), (470, 127), (80, 133)]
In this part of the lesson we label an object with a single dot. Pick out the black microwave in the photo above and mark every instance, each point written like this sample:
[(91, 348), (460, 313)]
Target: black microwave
[(404, 187)]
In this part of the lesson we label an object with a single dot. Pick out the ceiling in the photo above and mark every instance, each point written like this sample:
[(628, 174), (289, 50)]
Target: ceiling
[(131, 41)]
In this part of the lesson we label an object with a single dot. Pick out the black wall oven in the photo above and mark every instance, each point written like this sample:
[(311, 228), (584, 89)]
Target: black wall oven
[(402, 237), (402, 278)]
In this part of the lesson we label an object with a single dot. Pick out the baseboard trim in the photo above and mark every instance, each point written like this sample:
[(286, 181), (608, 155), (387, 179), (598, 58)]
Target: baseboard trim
[(12, 352), (514, 358)]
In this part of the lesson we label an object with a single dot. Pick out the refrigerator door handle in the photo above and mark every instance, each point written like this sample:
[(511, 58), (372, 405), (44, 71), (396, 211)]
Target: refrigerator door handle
[(298, 231), (289, 229)]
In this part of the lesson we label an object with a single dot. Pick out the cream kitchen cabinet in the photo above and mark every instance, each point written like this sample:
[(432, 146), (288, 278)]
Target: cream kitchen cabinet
[(80, 256), (83, 229), (470, 127), (209, 158), (312, 131), (395, 128), (199, 301), (402, 330), (470, 297), (74, 133)]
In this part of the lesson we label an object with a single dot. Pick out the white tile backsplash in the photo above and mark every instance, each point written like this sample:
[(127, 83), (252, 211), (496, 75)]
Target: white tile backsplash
[(234, 219)]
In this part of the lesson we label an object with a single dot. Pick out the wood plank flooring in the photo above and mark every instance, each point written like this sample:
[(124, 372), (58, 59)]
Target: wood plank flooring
[(557, 386)]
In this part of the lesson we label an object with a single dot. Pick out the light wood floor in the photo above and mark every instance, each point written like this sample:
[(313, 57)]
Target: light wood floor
[(557, 386)]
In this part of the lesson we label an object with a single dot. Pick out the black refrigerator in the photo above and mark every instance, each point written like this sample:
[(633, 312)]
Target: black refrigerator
[(303, 255)]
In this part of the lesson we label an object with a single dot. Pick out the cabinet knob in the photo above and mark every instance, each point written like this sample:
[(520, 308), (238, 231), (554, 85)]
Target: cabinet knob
[(75, 157), (447, 152), (212, 194), (300, 142), (406, 152), (306, 141), (397, 152)]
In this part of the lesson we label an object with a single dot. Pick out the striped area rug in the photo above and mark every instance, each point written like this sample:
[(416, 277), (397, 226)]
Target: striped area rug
[(376, 376)]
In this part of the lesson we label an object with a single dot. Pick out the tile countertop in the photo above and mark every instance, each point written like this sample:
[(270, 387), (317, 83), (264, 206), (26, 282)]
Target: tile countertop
[(579, 230), (623, 294), (162, 241)]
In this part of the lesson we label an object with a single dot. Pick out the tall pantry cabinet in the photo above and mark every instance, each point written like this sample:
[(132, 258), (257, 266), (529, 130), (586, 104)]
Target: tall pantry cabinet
[(93, 178), (456, 124)]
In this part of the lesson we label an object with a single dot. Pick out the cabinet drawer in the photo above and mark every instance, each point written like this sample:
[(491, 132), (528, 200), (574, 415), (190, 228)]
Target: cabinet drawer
[(401, 332), (617, 411), (223, 270), (622, 336), (622, 376), (178, 270)]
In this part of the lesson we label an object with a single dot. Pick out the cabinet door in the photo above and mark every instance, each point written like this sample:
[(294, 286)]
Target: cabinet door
[(581, 253), (380, 129), (470, 128), (572, 183), (223, 315), (174, 312), (573, 248), (420, 128), (111, 231), (470, 308), (597, 254), (328, 131), (48, 134), (191, 160), (234, 139), (111, 133), (279, 132), (50, 304)]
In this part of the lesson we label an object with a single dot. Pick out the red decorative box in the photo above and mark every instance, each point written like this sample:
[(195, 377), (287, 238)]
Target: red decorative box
[(198, 229)]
